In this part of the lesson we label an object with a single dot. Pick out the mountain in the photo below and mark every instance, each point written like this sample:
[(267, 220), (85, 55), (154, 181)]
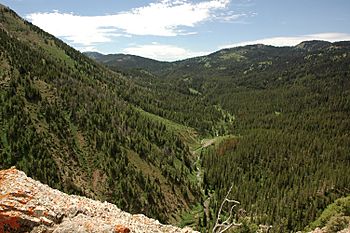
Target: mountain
[(35, 207), (225, 62), (289, 108), (79, 127), (95, 55), (314, 45), (169, 140), (126, 62)]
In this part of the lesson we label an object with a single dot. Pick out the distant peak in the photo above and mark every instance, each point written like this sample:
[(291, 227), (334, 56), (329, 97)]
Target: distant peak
[(93, 55), (313, 45), (259, 46)]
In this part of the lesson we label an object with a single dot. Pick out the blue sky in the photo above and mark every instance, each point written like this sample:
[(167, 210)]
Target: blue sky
[(177, 29)]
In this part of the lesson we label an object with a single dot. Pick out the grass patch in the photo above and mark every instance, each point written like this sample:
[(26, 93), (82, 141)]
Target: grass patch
[(194, 91), (335, 213), (56, 52), (170, 125), (232, 56), (192, 217), (187, 134)]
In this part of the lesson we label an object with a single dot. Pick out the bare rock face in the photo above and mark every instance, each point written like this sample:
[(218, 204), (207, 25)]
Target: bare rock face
[(27, 205), (325, 230)]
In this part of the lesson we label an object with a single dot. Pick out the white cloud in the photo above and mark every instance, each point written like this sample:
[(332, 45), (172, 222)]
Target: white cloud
[(88, 49), (162, 52), (293, 40), (229, 16), (162, 18)]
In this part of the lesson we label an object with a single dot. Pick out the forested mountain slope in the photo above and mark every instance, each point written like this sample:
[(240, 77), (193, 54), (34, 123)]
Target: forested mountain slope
[(79, 127), (272, 122), (290, 157)]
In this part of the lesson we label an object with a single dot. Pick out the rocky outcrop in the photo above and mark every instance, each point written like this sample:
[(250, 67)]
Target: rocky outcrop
[(27, 205), (325, 230)]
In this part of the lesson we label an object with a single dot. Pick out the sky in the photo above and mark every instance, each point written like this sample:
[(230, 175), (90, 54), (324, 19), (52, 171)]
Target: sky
[(171, 30)]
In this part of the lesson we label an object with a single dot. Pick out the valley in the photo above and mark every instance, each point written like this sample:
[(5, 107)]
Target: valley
[(169, 139), (280, 103)]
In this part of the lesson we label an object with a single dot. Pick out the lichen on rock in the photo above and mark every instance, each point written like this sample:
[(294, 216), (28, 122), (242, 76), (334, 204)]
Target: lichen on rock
[(27, 205)]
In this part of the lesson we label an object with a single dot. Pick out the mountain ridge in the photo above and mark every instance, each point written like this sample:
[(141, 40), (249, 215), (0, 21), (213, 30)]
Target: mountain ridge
[(270, 123), (67, 103), (224, 60), (127, 61), (286, 103), (307, 45)]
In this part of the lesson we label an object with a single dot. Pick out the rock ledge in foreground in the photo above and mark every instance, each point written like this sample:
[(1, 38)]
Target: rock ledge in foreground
[(27, 205)]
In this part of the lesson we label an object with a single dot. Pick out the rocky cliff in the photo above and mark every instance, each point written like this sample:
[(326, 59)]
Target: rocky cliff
[(27, 205)]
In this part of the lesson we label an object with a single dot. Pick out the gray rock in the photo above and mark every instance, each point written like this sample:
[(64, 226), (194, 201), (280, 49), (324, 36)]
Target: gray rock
[(27, 205)]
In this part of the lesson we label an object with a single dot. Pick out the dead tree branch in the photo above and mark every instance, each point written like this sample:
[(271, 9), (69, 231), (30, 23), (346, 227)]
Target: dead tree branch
[(228, 222)]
